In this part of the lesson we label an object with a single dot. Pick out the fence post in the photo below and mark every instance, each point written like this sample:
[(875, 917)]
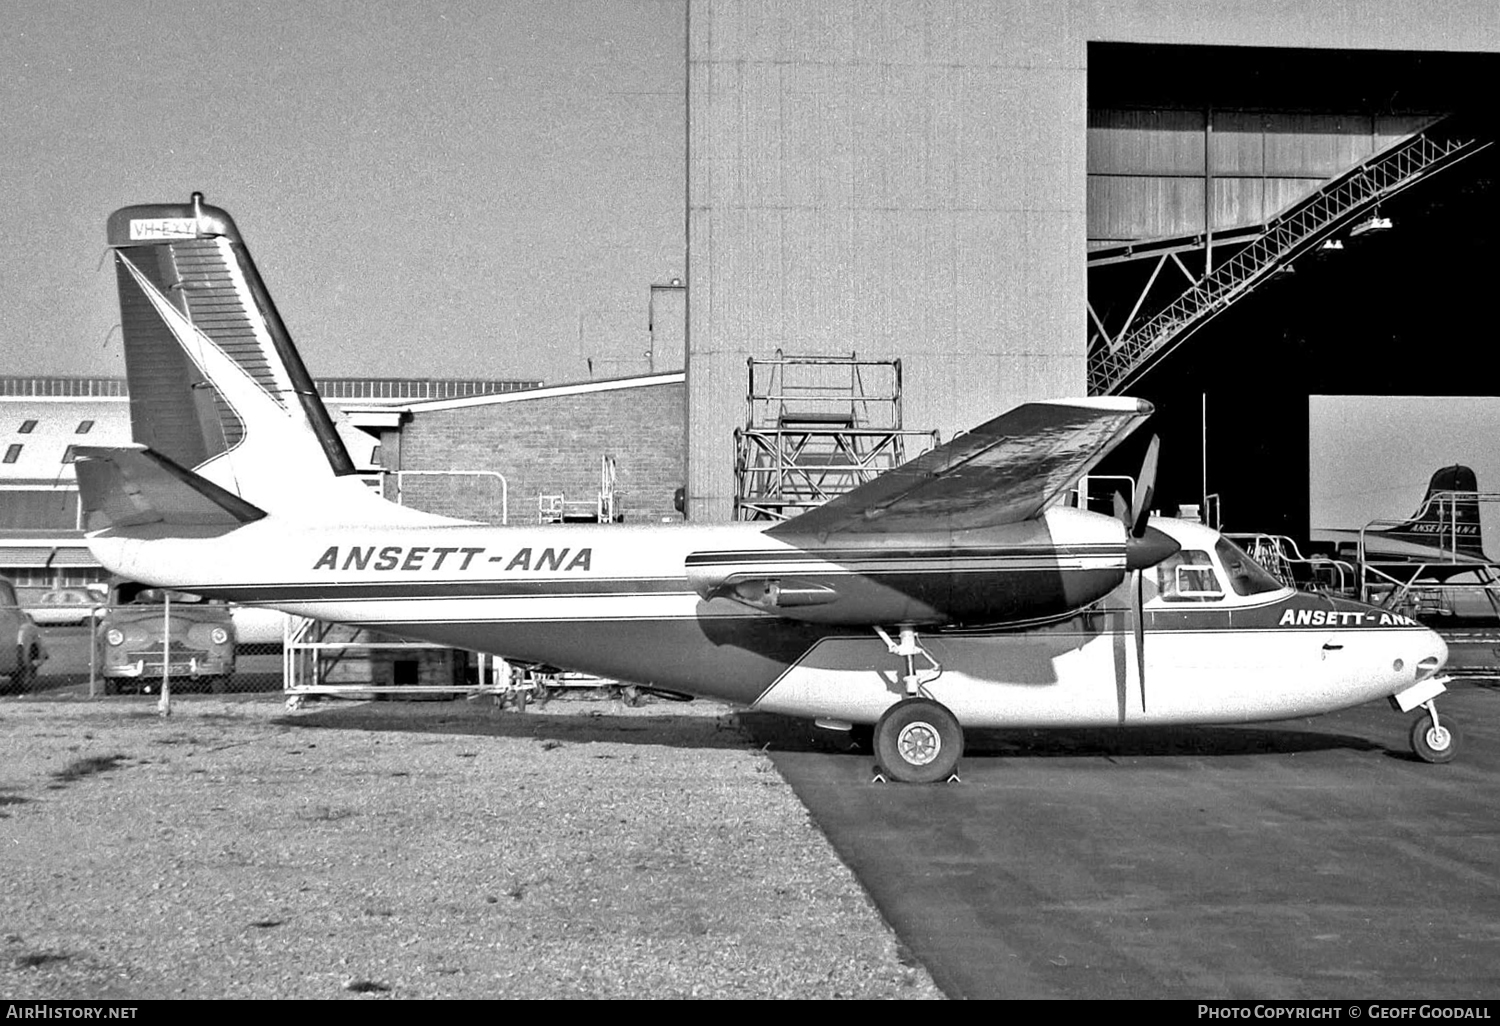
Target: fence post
[(164, 704)]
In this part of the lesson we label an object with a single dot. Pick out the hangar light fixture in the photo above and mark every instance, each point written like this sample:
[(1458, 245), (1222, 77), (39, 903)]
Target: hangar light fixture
[(1373, 223), (1331, 246)]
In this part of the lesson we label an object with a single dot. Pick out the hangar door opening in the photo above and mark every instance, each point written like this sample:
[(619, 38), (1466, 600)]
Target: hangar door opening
[(1266, 225)]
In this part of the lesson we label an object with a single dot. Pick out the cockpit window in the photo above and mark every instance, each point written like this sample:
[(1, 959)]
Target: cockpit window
[(1188, 576), (1246, 576)]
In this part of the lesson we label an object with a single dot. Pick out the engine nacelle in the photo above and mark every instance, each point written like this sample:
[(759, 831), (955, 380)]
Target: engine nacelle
[(1048, 566)]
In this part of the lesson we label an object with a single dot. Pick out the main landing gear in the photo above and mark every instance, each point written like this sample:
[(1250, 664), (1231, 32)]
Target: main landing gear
[(917, 740), (1431, 739)]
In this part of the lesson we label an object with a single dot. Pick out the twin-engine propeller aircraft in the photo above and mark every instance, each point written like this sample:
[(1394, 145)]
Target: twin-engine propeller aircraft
[(955, 591)]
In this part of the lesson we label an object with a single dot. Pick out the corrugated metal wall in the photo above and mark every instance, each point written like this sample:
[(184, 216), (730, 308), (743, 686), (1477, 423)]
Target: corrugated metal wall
[(1148, 177)]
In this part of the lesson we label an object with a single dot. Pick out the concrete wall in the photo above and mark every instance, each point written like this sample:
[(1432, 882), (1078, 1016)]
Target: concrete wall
[(887, 178), (549, 444), (906, 178)]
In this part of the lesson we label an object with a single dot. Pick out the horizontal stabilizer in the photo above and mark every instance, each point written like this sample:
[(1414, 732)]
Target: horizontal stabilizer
[(133, 486)]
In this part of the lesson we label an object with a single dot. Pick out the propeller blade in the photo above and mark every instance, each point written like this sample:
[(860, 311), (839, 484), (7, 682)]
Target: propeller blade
[(1122, 511), (1140, 635), (1145, 489)]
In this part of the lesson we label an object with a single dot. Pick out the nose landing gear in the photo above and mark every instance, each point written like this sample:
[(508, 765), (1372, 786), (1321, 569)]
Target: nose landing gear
[(1431, 739)]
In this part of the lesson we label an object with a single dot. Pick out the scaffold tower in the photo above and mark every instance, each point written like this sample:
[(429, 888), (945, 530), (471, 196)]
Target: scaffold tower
[(817, 427)]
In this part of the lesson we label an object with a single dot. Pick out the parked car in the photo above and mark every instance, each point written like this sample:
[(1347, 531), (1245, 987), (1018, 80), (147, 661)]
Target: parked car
[(21, 650), (63, 607), (132, 638)]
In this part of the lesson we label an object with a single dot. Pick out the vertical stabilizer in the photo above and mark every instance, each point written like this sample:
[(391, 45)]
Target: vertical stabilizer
[(215, 383)]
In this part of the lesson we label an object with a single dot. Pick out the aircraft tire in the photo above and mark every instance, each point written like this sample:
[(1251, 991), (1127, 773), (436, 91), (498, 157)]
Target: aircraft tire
[(918, 741), (1433, 744)]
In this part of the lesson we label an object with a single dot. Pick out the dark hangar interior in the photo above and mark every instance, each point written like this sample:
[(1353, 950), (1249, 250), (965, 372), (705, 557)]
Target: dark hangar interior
[(1398, 310)]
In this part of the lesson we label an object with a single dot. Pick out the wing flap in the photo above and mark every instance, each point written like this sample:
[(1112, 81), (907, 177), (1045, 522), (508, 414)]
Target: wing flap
[(1004, 471)]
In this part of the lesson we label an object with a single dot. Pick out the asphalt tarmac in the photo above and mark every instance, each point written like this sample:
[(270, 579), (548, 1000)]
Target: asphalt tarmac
[(1306, 859)]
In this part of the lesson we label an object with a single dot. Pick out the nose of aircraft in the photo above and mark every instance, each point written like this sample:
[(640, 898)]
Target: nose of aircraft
[(1434, 654)]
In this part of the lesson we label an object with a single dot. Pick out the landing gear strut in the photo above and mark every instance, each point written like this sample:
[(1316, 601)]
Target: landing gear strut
[(908, 648), (1431, 739)]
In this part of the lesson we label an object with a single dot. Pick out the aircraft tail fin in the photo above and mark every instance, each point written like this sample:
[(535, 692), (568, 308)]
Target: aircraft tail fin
[(136, 487), (215, 382), (1448, 517), (216, 385)]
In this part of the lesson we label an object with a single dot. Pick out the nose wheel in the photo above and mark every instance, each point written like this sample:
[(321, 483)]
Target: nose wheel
[(1433, 740)]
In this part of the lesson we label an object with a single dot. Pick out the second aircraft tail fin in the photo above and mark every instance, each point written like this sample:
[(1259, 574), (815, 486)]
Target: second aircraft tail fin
[(1448, 518)]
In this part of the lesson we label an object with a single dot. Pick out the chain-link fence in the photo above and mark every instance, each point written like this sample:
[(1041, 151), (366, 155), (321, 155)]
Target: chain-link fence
[(146, 641)]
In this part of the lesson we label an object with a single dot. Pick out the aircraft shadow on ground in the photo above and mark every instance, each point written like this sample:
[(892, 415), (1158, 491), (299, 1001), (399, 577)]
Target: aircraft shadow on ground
[(482, 719), (783, 734)]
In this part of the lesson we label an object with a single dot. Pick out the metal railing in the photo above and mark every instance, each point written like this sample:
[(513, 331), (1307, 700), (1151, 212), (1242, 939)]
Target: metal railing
[(401, 475), (1279, 556)]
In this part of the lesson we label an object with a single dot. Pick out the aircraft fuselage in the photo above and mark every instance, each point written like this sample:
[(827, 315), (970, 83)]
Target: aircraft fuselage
[(731, 613)]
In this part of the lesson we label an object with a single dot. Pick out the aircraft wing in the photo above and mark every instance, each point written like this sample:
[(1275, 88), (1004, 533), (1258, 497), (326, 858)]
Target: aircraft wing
[(1002, 472)]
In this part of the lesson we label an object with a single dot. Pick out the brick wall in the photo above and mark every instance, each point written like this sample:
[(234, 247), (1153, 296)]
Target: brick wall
[(550, 445)]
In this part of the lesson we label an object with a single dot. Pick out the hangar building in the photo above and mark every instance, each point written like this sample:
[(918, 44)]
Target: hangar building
[(969, 186)]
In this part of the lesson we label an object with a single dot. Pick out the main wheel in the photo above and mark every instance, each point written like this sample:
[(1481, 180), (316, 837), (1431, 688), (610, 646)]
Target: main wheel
[(918, 741), (1431, 742)]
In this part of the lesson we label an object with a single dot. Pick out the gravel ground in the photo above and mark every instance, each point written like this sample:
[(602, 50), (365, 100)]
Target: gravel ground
[(422, 850)]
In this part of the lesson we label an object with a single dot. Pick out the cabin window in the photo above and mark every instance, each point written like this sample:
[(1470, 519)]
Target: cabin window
[(1246, 576), (1188, 576), (27, 427), (13, 453), (69, 455), (84, 427)]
